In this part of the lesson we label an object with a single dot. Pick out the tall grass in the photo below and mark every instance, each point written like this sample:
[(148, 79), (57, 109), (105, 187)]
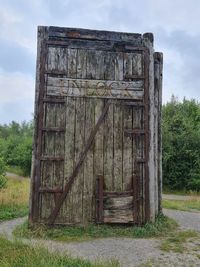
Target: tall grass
[(14, 199), (191, 204), (160, 227), (16, 254)]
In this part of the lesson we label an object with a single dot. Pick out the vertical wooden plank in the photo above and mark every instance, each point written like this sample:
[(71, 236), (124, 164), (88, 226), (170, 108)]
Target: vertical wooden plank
[(118, 146), (62, 59), (119, 67), (109, 74), (138, 167), (99, 200), (91, 64), (89, 190), (108, 150), (69, 156), (47, 170), (137, 64), (72, 66), (99, 104), (81, 63), (77, 187), (100, 55), (158, 66), (98, 145), (59, 150), (57, 59), (109, 66), (127, 149), (127, 64), (51, 59), (133, 64)]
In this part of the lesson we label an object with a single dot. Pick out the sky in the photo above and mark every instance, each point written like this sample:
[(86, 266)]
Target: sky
[(174, 23)]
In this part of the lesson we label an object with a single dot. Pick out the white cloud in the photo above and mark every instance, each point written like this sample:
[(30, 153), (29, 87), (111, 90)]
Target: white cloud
[(16, 87), (175, 25)]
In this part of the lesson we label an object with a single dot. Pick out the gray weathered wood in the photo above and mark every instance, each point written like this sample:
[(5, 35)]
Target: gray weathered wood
[(77, 72)]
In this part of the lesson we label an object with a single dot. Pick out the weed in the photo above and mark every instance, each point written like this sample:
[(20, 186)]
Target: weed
[(160, 227), (176, 242), (185, 205), (14, 199), (17, 254)]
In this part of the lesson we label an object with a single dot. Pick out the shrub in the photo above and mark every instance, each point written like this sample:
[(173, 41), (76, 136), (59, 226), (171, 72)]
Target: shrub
[(181, 145), (3, 178)]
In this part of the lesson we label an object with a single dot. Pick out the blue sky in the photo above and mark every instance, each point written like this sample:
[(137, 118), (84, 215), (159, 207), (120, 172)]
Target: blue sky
[(175, 24)]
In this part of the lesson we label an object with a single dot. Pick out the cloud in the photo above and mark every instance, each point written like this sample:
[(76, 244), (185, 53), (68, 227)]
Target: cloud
[(13, 58), (16, 86), (175, 25), (17, 94)]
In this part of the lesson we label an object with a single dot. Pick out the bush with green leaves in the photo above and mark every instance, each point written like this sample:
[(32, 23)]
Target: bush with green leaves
[(181, 145), (16, 145), (3, 179)]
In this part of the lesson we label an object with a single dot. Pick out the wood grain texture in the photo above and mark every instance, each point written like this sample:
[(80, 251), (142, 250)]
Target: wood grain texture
[(94, 88), (108, 150), (69, 156), (118, 147), (78, 72), (89, 190), (118, 210), (127, 148)]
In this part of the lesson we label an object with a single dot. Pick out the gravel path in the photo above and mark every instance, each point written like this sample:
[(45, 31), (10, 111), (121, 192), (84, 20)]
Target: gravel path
[(129, 252), (186, 219), (7, 227)]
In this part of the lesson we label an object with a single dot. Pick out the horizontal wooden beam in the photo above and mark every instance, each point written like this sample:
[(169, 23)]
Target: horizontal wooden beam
[(51, 158), (133, 104), (50, 190), (134, 131), (118, 194), (54, 100), (53, 129)]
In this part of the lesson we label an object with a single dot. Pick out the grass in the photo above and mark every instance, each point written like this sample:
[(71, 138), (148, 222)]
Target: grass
[(186, 205), (160, 227), (14, 199), (16, 254), (176, 242)]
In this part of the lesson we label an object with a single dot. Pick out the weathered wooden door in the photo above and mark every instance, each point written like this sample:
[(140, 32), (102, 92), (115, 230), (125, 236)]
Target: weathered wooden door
[(91, 137)]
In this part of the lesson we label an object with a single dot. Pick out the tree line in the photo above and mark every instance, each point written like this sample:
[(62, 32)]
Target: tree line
[(181, 145), (16, 145)]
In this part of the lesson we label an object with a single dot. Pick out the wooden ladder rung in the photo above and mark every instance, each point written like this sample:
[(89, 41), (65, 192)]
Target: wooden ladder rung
[(133, 104), (50, 190), (53, 129), (134, 131), (54, 101), (46, 158)]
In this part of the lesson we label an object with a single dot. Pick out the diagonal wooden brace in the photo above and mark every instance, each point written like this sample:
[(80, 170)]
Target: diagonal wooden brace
[(67, 187)]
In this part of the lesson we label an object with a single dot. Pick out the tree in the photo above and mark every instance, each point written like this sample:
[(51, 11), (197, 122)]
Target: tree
[(16, 145), (181, 145), (3, 179)]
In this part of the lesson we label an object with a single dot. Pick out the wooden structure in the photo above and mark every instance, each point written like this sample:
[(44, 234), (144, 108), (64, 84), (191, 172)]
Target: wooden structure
[(97, 142)]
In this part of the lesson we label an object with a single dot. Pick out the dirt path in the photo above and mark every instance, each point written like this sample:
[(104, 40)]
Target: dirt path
[(15, 176), (129, 252)]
